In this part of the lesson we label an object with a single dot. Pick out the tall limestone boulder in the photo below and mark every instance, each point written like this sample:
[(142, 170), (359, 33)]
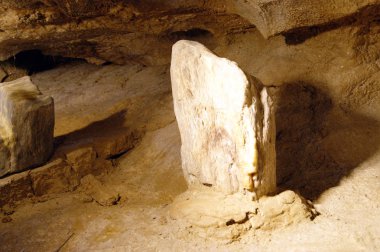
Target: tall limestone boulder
[(26, 126), (226, 122)]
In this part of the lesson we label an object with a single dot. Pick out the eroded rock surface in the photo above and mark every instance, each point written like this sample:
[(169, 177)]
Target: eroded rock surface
[(143, 31), (102, 194), (51, 178), (280, 16), (26, 126), (214, 214), (149, 176), (226, 122), (117, 31)]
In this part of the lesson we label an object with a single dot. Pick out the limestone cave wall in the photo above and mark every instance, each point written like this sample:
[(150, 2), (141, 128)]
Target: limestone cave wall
[(319, 58)]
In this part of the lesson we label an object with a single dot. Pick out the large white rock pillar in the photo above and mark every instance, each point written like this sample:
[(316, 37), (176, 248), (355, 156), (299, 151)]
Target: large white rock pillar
[(226, 122), (26, 126)]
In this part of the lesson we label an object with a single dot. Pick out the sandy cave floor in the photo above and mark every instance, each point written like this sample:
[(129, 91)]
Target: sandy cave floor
[(149, 177)]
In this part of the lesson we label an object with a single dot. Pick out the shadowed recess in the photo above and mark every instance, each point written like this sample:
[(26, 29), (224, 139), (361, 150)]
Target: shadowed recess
[(316, 146)]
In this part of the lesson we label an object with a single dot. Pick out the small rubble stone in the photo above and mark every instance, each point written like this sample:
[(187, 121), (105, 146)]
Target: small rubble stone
[(54, 177), (99, 192), (81, 160)]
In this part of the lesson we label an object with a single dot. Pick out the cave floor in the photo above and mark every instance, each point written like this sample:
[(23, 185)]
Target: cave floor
[(149, 177)]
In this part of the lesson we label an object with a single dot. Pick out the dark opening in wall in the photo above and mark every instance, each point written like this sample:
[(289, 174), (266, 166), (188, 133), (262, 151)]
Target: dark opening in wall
[(201, 35), (192, 33), (29, 62), (34, 61)]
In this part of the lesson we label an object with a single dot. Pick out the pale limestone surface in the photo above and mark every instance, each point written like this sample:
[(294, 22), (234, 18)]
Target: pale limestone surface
[(149, 177), (95, 137), (26, 126), (226, 122)]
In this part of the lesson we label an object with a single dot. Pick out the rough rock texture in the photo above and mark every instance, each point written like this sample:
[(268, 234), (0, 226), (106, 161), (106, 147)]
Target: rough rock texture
[(229, 216), (117, 31), (102, 194), (143, 31), (149, 176), (53, 177), (281, 16), (61, 174), (323, 68), (226, 122), (327, 94), (14, 188), (26, 126), (94, 138), (81, 160)]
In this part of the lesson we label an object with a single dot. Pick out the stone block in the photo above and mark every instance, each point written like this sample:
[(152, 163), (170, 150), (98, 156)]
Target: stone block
[(81, 160), (102, 194), (26, 126), (54, 177), (226, 122)]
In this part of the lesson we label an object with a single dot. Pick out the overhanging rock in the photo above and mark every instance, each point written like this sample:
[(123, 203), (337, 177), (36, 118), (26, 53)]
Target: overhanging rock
[(26, 126), (226, 122)]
